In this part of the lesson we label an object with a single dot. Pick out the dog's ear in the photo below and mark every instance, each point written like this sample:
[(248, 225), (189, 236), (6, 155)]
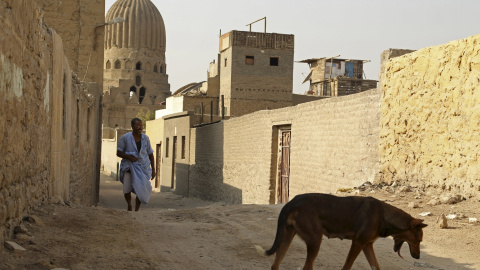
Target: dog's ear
[(417, 223)]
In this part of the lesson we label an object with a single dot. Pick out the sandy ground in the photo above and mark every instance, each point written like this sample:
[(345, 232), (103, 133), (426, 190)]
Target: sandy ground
[(173, 232)]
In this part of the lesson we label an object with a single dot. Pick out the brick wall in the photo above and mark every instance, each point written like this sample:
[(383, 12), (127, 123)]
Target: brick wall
[(334, 144), (430, 117)]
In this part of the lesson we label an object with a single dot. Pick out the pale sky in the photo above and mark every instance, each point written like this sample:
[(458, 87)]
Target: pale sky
[(353, 29)]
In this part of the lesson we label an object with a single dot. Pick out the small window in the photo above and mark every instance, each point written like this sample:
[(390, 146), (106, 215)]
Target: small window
[(108, 65), (274, 61), (225, 62), (138, 66), (167, 146), (138, 80), (133, 90), (142, 95), (249, 60), (183, 147), (117, 64)]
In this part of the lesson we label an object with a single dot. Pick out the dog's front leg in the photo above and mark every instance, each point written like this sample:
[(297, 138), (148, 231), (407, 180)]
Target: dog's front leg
[(352, 255), (370, 254)]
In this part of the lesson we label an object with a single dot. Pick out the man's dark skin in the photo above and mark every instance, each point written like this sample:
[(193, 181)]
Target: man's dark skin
[(137, 135)]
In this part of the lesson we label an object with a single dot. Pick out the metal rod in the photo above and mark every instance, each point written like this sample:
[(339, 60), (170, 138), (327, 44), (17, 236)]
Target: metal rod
[(264, 18)]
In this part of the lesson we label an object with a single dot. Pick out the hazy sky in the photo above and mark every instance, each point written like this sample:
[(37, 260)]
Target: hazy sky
[(354, 29)]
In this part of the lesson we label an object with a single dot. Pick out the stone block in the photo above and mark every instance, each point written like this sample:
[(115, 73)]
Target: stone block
[(12, 246), (20, 229), (36, 220)]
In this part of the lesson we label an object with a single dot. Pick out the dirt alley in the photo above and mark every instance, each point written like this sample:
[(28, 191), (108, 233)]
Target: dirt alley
[(173, 232)]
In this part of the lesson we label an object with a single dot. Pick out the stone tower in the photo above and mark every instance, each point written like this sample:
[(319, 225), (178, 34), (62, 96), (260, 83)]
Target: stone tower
[(135, 76)]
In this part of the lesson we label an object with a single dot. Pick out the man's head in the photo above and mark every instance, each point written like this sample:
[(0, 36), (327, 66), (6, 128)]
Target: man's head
[(137, 125)]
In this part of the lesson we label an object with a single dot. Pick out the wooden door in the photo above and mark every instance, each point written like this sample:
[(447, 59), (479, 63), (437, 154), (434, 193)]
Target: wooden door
[(284, 166)]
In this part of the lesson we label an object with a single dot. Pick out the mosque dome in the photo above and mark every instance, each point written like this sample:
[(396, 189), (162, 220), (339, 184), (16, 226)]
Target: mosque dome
[(135, 70), (143, 27)]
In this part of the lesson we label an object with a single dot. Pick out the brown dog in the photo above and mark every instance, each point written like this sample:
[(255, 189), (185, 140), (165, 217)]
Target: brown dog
[(361, 219)]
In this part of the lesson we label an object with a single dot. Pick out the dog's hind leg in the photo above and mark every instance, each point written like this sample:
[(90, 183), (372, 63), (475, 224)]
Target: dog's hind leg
[(282, 249), (352, 255), (370, 254), (313, 247), (311, 233)]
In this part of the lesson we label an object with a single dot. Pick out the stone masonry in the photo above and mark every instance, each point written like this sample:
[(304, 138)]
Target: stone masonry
[(430, 117), (49, 118)]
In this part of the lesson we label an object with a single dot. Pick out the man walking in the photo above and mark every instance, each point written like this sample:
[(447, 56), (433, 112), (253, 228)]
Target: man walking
[(137, 166)]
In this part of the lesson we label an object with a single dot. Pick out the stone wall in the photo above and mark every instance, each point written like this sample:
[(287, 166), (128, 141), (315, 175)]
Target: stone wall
[(49, 119), (334, 144), (430, 117), (25, 90)]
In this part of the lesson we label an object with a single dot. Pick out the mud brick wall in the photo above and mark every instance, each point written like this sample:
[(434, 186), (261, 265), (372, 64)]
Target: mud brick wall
[(431, 117), (25, 59), (78, 24), (48, 119), (334, 144)]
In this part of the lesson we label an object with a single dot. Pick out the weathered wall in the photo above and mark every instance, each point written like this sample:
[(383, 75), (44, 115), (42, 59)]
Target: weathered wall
[(76, 22), (334, 144), (110, 161), (430, 117), (49, 119), (176, 152), (154, 131), (25, 91), (258, 85)]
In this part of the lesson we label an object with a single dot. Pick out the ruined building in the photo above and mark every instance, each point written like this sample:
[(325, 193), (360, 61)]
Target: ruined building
[(332, 77), (135, 70)]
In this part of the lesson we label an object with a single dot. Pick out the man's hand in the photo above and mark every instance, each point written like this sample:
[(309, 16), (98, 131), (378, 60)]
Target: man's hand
[(153, 174), (132, 158)]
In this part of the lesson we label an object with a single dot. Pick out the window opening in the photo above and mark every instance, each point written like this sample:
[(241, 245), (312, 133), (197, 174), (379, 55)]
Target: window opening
[(183, 147), (142, 95), (117, 64), (88, 124), (133, 90), (64, 99), (167, 146), (108, 65), (138, 66), (274, 61), (249, 60), (138, 80)]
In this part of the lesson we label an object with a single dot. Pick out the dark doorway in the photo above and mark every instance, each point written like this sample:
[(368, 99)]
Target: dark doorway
[(174, 162), (158, 165)]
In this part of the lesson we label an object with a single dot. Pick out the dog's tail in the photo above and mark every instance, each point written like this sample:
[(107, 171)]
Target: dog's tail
[(260, 250), (281, 227)]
